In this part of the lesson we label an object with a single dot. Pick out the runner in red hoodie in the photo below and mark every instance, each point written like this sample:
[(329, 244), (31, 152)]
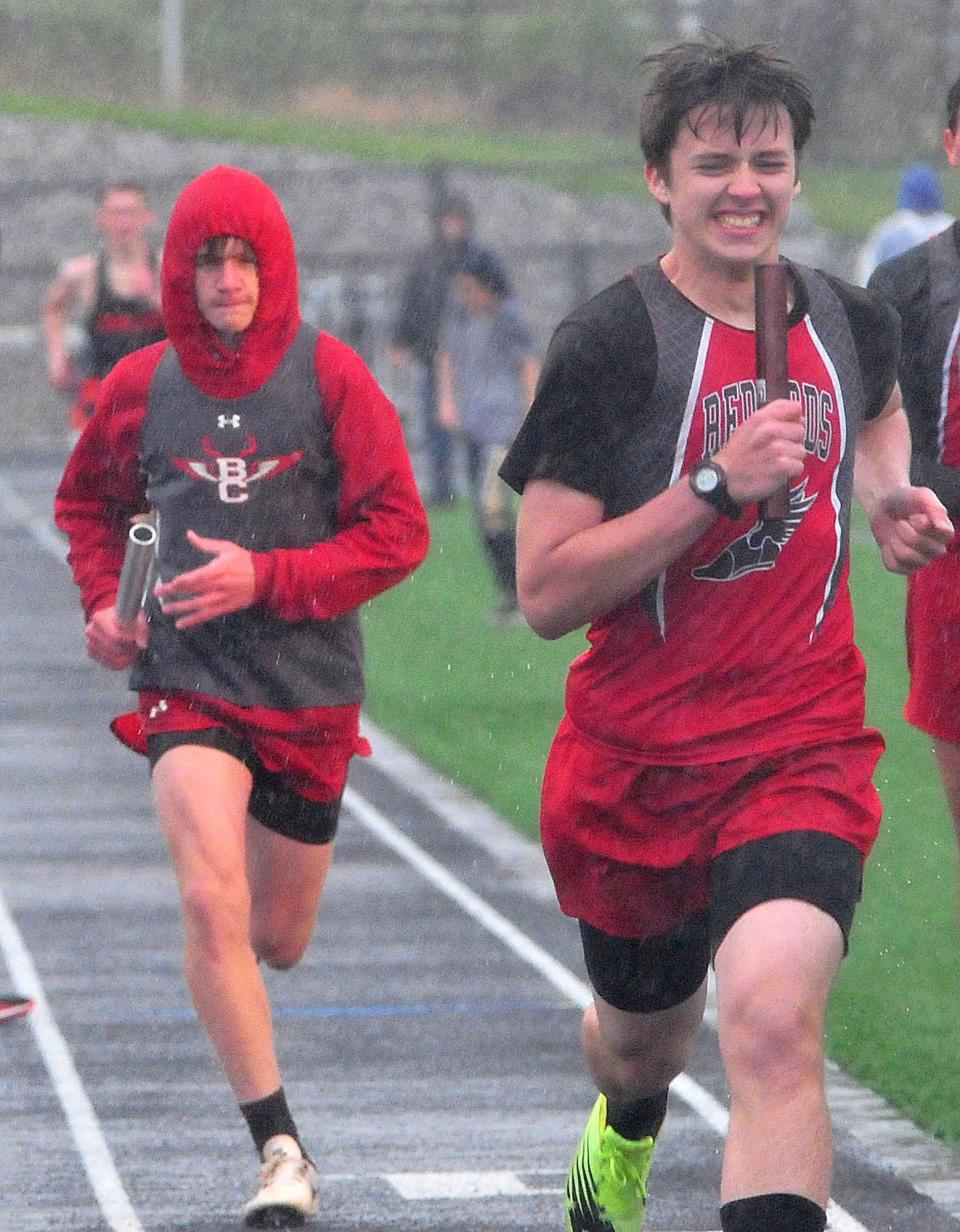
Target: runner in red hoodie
[(285, 499)]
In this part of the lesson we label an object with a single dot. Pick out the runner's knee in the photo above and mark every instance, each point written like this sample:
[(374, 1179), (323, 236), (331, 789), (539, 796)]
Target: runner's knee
[(215, 913), (648, 1063), (771, 1040), (280, 951), (639, 1052)]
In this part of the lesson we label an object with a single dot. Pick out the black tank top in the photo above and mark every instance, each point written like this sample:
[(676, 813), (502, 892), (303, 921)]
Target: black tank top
[(117, 325)]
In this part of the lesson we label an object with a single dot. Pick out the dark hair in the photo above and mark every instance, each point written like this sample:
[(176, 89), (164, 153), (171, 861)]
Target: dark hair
[(214, 250), (953, 105), (453, 205), (716, 73), (485, 266)]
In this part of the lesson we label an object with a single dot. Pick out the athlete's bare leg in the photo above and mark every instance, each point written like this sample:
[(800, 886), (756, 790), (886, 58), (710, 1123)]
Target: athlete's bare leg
[(286, 880), (636, 1056), (202, 795), (774, 972), (948, 761)]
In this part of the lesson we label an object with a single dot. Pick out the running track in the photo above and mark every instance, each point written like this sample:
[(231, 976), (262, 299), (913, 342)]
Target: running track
[(429, 1039)]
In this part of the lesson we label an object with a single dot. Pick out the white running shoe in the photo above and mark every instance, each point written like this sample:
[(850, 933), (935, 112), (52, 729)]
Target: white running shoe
[(287, 1193)]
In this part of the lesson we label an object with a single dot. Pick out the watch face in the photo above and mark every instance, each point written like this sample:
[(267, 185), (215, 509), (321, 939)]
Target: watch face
[(706, 480)]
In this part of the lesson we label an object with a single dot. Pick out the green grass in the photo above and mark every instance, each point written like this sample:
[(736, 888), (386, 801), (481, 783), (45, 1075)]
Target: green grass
[(593, 164), (847, 198), (893, 1020), (851, 199), (482, 705)]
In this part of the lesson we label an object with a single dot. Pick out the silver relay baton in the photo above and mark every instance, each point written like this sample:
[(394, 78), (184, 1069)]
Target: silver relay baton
[(138, 571)]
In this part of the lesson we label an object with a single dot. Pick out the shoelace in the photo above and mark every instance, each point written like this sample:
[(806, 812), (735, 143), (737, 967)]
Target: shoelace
[(627, 1178), (272, 1166)]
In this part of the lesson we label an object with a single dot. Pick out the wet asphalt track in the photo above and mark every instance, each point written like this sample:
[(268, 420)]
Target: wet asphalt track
[(429, 1039)]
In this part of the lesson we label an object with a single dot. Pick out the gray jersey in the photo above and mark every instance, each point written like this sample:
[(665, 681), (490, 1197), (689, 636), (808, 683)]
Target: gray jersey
[(259, 471)]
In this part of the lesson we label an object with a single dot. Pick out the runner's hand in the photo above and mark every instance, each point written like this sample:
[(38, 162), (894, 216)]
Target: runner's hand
[(225, 584), (765, 452), (911, 528), (113, 644)]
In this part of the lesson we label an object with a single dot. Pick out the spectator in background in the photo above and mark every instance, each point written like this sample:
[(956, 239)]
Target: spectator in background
[(919, 215), (115, 293), (486, 378), (417, 330)]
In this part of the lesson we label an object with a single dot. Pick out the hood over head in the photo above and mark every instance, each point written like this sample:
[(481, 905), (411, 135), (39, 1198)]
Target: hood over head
[(230, 201)]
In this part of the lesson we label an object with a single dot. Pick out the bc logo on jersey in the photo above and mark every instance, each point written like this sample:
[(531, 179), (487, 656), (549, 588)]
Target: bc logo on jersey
[(759, 549), (234, 474)]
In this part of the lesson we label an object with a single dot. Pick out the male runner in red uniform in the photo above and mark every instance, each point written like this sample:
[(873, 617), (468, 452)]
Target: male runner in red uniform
[(285, 500), (709, 790), (923, 284), (116, 292)]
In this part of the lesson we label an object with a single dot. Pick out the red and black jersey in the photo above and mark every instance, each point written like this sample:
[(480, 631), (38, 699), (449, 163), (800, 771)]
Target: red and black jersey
[(745, 643), (116, 325)]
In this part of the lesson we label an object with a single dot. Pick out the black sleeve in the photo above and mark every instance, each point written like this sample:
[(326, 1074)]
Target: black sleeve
[(904, 282), (598, 372), (876, 334)]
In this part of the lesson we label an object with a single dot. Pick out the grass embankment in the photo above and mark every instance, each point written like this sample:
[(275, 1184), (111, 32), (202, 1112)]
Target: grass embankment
[(847, 198), (482, 705)]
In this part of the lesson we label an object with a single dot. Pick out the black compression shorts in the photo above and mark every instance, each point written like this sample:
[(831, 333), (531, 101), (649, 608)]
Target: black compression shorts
[(661, 972), (273, 803)]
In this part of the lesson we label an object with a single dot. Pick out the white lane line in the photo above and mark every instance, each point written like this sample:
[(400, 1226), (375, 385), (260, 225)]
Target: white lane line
[(20, 512), (535, 956), (430, 1186), (54, 1051), (81, 1118)]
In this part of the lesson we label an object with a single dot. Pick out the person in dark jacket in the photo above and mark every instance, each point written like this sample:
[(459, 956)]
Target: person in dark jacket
[(249, 435), (416, 333)]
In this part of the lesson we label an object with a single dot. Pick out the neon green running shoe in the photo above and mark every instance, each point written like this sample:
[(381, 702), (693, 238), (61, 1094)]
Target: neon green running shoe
[(607, 1182)]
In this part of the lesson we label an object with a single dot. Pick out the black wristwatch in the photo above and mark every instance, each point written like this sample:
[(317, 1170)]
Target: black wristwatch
[(709, 482)]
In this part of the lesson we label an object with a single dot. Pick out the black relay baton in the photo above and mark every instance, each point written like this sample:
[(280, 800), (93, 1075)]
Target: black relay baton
[(138, 571), (770, 287)]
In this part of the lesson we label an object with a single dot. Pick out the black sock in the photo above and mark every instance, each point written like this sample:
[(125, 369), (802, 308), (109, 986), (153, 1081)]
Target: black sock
[(269, 1116), (779, 1212), (638, 1119)]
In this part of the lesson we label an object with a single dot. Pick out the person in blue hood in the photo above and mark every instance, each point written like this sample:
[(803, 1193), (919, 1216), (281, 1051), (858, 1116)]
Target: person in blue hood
[(919, 215)]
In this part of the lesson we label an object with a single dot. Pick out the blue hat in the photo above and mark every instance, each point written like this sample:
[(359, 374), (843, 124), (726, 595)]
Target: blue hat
[(920, 189)]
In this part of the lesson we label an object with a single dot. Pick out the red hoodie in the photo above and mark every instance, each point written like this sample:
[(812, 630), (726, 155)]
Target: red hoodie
[(383, 532)]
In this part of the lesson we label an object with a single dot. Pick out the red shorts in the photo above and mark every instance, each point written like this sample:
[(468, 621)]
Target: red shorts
[(933, 648), (310, 749), (629, 845)]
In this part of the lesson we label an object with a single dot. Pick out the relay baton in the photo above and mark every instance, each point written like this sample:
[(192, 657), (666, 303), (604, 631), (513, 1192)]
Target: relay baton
[(138, 570), (770, 289)]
